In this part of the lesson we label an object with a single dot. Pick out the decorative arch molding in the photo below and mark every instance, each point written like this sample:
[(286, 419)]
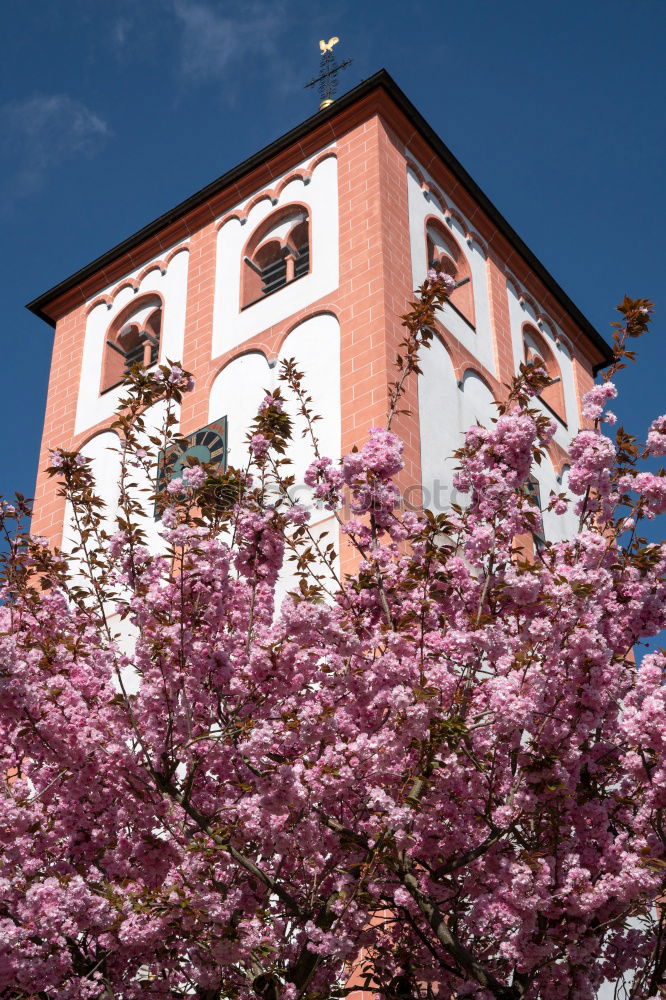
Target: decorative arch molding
[(238, 383), (543, 325), (156, 265), (432, 192), (238, 216), (270, 352), (525, 298), (451, 215), (468, 371), (135, 283), (263, 350), (563, 343), (543, 320), (101, 300), (183, 248), (292, 208), (268, 195), (127, 283), (133, 336), (287, 332), (303, 174), (416, 170), (472, 238), (326, 155), (95, 433)]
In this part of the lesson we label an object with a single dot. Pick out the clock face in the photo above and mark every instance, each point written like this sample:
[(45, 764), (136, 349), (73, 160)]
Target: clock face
[(209, 444)]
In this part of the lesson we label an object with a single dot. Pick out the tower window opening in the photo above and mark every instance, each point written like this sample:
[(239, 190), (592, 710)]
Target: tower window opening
[(537, 352), (445, 255), (133, 339), (272, 265), (276, 254)]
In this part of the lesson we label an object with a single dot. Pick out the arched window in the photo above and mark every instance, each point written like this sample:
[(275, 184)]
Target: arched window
[(537, 351), (533, 493), (445, 254), (277, 253), (133, 338)]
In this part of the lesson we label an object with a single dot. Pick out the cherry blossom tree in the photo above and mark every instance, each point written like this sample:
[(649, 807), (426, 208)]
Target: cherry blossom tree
[(439, 776)]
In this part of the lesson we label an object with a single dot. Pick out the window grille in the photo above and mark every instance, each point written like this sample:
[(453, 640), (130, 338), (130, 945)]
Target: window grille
[(302, 261), (135, 355), (276, 255), (133, 339), (273, 276)]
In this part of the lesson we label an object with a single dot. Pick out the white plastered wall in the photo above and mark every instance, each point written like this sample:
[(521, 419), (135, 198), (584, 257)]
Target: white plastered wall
[(240, 387), (521, 313), (94, 406), (422, 204), (446, 410), (104, 455), (233, 325)]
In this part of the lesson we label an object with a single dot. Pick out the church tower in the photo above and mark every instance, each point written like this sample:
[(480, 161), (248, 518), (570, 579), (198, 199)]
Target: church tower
[(311, 249)]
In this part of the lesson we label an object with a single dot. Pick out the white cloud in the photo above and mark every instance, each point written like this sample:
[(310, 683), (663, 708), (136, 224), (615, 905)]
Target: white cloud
[(44, 131), (120, 31), (217, 40)]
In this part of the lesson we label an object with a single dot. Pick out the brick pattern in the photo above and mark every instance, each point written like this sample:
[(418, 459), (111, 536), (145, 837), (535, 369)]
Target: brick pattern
[(65, 375), (375, 288), (499, 318), (583, 382), (198, 337)]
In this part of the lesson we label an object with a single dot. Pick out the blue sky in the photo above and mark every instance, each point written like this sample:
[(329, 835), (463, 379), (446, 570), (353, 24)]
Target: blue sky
[(112, 113)]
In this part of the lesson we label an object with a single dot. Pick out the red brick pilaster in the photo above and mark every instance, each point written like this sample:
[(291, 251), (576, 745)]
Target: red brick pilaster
[(59, 420), (375, 288), (500, 322), (198, 335)]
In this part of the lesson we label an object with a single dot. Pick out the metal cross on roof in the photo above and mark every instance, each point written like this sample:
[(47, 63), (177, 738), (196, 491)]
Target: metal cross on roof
[(328, 78)]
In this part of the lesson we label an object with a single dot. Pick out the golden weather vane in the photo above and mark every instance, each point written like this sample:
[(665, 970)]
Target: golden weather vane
[(328, 78)]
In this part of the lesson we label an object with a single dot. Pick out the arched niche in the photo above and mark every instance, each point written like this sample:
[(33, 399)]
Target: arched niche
[(236, 393), (439, 426), (444, 253), (241, 385), (103, 453), (477, 401), (315, 344), (132, 338), (537, 350)]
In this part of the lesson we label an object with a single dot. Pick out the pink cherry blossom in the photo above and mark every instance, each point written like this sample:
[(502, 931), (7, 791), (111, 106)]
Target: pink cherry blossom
[(656, 439), (231, 770)]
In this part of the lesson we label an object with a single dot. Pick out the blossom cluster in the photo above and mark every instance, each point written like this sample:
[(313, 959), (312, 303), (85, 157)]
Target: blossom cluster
[(447, 769), (597, 397), (656, 439)]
